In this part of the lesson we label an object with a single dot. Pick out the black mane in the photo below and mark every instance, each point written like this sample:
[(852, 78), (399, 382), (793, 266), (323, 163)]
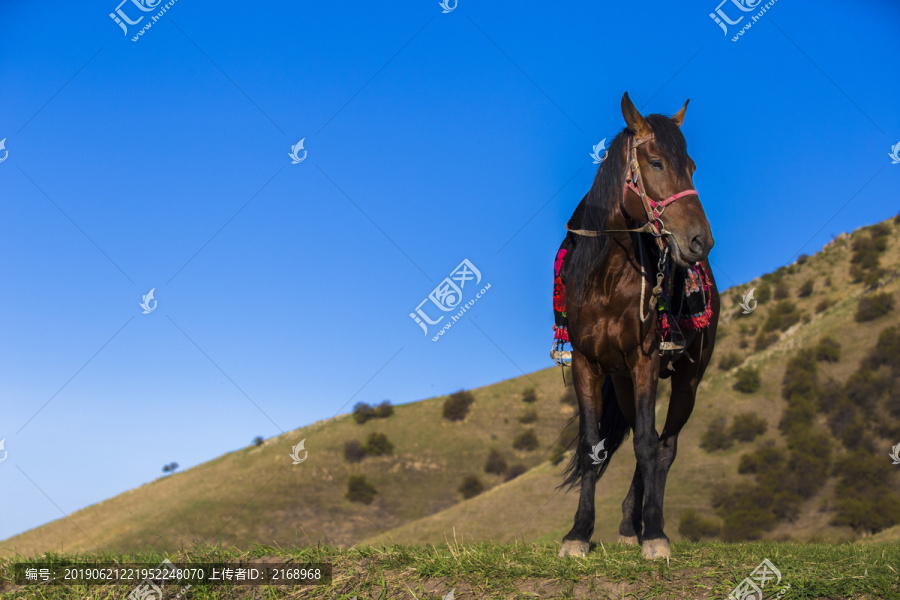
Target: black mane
[(597, 206)]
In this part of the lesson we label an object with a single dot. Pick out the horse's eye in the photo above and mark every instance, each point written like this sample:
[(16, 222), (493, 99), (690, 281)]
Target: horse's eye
[(656, 165)]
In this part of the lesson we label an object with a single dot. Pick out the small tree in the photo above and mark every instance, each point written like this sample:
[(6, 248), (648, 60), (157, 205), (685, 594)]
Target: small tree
[(383, 410), (874, 306), (362, 412), (378, 444), (353, 451), (514, 471), (360, 490), (716, 437), (495, 463), (471, 486), (529, 416), (806, 290), (828, 349), (170, 468), (258, 441), (747, 426), (529, 396), (456, 407), (781, 291), (527, 441), (747, 380)]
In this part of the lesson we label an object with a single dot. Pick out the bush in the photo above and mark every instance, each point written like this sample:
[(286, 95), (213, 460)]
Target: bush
[(362, 412), (529, 416), (764, 340), (694, 527), (763, 293), (873, 504), (805, 290), (802, 259), (514, 471), (824, 305), (360, 490), (886, 351), (258, 441), (470, 487), (865, 388), (782, 316), (828, 349), (353, 451), (715, 437), (747, 426), (874, 306), (782, 291), (729, 361), (456, 407), (378, 444), (529, 396), (383, 410), (557, 453), (800, 376), (495, 463), (527, 441), (747, 380)]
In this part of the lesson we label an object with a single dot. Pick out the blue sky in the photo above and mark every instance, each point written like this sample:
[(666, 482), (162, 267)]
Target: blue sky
[(284, 290)]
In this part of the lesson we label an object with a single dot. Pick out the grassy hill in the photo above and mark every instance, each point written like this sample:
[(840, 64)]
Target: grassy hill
[(256, 496)]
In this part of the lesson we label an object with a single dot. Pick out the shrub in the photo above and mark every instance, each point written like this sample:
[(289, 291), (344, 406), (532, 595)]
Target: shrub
[(529, 396), (353, 451), (470, 487), (763, 293), (527, 441), (715, 437), (378, 444), (781, 291), (764, 340), (258, 441), (495, 463), (887, 350), (729, 361), (805, 290), (383, 410), (747, 380), (865, 388), (824, 305), (694, 527), (828, 349), (514, 471), (800, 376), (874, 306), (569, 398), (456, 407), (747, 426), (362, 412), (802, 259), (557, 453), (529, 416), (872, 504), (782, 316), (360, 490)]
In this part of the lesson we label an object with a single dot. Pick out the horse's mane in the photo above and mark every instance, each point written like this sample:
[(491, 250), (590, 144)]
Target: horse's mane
[(597, 207)]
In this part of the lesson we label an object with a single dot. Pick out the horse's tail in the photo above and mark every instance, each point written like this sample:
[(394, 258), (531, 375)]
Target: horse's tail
[(614, 430)]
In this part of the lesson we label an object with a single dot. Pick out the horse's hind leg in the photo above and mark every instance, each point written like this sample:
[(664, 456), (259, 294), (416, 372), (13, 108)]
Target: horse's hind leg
[(587, 387), (632, 523)]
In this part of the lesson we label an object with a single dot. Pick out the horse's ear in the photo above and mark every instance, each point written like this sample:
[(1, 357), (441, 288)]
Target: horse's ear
[(633, 118), (678, 118)]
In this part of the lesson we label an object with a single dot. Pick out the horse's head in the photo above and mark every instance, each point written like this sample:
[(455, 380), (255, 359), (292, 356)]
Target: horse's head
[(659, 185)]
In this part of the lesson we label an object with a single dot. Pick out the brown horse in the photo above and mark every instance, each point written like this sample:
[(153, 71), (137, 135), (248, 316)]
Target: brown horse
[(622, 244)]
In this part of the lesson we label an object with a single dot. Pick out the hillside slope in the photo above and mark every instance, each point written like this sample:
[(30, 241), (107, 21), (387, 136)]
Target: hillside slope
[(256, 495)]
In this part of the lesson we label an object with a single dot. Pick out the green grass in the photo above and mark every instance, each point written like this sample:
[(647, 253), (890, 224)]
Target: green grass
[(706, 570)]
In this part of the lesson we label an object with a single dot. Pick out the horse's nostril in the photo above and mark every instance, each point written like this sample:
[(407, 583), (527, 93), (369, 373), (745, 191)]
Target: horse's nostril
[(698, 244)]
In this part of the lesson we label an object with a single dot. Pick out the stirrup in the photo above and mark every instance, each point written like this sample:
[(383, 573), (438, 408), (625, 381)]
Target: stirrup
[(561, 357)]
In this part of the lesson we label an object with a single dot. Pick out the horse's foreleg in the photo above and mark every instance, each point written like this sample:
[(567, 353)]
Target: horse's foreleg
[(632, 522), (645, 377), (587, 382)]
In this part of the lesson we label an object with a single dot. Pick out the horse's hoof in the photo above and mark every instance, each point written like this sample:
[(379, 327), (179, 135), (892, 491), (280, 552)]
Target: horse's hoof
[(574, 548), (629, 540), (655, 549)]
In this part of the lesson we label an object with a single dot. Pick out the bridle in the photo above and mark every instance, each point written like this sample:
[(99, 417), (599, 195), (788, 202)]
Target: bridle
[(653, 208)]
